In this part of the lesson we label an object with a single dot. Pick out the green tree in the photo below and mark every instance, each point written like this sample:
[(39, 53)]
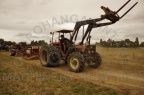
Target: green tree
[(137, 42), (41, 43), (127, 42), (142, 44)]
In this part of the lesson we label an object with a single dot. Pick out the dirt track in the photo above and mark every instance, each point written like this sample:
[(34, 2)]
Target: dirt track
[(101, 76)]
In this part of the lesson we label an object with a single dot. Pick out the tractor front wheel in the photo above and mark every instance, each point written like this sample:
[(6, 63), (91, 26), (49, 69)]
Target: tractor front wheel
[(96, 62), (75, 62)]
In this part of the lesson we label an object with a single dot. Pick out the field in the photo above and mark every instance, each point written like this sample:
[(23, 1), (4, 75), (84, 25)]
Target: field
[(121, 73), (123, 60)]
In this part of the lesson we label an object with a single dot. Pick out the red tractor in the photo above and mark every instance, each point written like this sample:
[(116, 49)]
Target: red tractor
[(76, 55)]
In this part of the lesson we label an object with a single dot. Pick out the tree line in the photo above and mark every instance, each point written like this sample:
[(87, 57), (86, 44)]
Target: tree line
[(123, 43), (6, 45), (38, 43), (108, 43), (33, 43)]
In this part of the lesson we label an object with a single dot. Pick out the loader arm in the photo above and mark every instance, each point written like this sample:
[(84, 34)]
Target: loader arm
[(84, 22), (110, 15), (90, 27)]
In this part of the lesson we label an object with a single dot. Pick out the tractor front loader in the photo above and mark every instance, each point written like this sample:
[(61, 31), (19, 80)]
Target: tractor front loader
[(77, 55)]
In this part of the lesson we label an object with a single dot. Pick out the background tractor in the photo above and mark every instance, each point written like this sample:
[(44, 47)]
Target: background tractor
[(25, 50), (76, 55), (18, 49)]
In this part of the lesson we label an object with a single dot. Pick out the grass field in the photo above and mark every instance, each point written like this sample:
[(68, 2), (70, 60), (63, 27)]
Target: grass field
[(33, 80), (124, 60), (18, 77)]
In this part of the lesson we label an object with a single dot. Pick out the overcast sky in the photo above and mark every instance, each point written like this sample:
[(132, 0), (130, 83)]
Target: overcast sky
[(24, 20)]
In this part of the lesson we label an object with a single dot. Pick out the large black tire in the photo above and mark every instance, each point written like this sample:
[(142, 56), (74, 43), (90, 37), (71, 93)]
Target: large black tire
[(49, 56), (96, 62), (75, 62)]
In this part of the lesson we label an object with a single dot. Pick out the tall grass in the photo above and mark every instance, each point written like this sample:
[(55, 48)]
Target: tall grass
[(130, 60)]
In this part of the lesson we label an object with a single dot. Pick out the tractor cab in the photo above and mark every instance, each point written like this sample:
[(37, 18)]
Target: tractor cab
[(62, 41)]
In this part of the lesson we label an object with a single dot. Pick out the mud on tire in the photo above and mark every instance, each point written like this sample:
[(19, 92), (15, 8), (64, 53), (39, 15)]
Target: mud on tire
[(49, 56), (75, 62)]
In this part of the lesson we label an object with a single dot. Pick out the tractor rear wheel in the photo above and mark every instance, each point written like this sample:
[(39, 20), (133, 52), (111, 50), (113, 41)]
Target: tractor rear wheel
[(75, 62), (49, 56), (96, 62)]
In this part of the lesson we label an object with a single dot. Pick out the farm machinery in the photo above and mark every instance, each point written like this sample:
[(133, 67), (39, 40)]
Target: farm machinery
[(77, 55), (24, 50)]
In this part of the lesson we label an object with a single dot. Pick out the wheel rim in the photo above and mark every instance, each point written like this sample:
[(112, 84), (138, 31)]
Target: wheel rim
[(74, 63)]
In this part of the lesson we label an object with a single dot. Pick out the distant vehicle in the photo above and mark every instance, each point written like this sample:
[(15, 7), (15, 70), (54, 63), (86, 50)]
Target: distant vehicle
[(19, 49), (25, 50)]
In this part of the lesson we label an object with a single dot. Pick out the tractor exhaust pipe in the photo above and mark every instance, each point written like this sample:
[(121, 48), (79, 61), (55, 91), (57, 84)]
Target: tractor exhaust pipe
[(129, 10), (123, 6)]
